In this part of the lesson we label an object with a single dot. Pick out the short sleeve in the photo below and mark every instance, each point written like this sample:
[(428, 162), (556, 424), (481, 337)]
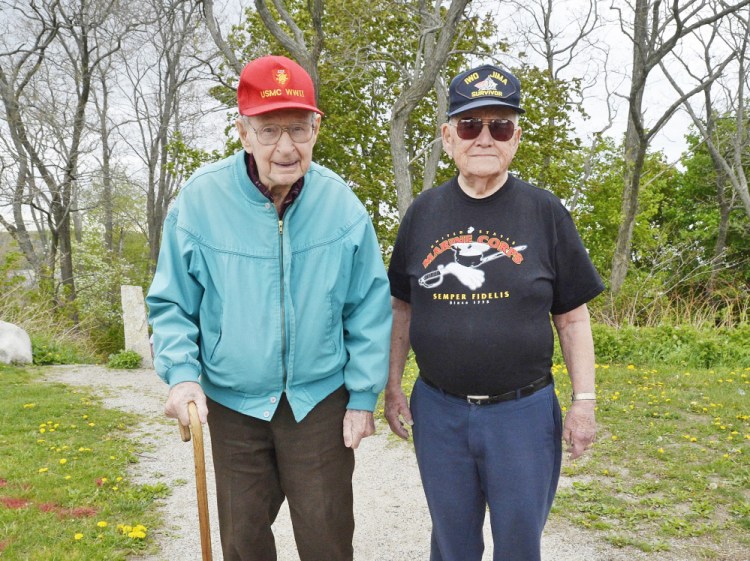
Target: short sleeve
[(398, 275), (576, 278)]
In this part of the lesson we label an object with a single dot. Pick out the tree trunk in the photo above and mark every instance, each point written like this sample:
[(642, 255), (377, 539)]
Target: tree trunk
[(725, 209)]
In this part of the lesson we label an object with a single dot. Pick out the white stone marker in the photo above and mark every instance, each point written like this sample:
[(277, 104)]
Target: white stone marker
[(136, 323)]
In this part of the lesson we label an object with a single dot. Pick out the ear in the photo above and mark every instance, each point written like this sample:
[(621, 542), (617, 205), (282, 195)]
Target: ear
[(317, 120), (447, 137), (244, 133)]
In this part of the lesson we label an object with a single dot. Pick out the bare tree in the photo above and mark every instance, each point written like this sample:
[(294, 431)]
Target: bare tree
[(726, 147), (561, 33), (306, 55), (655, 30), (162, 73), (561, 44), (46, 90), (417, 80), (19, 65), (213, 28)]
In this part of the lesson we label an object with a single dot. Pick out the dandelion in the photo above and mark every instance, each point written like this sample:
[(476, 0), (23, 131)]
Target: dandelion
[(102, 524), (43, 470), (29, 405), (138, 533), (63, 461), (78, 536), (68, 477), (660, 450), (615, 437)]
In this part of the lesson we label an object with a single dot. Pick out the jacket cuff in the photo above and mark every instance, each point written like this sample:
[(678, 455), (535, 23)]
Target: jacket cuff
[(362, 401), (182, 373)]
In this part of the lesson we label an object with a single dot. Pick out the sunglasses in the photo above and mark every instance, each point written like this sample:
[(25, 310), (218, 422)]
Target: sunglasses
[(500, 129)]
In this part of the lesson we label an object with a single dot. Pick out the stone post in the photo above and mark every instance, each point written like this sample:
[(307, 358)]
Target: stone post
[(136, 323)]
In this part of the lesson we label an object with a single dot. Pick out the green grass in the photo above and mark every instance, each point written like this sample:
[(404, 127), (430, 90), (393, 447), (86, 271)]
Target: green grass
[(670, 470), (64, 488)]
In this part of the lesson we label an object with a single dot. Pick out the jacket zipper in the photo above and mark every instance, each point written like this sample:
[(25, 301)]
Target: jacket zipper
[(283, 312)]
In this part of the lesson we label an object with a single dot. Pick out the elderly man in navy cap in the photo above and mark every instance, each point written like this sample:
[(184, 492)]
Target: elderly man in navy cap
[(480, 265)]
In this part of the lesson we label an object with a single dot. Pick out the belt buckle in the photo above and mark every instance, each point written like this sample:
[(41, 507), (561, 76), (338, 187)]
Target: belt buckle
[(476, 399)]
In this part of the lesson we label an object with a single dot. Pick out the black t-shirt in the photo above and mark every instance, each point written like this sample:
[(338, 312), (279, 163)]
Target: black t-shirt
[(482, 277)]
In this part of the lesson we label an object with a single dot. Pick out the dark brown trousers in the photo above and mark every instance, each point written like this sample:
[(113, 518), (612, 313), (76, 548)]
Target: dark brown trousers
[(259, 463)]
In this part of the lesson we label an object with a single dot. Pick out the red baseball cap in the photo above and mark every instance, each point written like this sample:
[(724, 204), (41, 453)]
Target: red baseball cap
[(272, 82)]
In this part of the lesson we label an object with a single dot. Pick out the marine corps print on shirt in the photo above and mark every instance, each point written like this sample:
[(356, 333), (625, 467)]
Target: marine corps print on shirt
[(466, 256)]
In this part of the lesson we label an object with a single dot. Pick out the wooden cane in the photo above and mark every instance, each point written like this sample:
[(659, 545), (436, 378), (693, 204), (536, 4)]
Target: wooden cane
[(200, 477)]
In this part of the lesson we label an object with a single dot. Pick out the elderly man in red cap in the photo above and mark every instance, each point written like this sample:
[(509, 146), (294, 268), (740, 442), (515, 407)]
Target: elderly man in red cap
[(270, 310)]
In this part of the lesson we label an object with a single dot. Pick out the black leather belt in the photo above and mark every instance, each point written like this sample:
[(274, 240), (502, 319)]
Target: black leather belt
[(525, 391)]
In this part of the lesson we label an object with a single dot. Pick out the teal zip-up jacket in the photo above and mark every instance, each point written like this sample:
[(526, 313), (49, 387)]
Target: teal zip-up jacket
[(252, 306)]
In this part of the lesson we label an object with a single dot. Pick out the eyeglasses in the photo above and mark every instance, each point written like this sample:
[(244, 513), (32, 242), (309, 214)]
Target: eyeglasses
[(500, 129), (271, 134)]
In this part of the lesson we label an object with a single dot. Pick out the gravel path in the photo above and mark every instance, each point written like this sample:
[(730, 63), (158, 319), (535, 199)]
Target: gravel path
[(392, 522)]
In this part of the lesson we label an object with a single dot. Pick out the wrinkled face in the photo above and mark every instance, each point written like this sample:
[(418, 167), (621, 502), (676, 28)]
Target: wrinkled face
[(482, 158), (282, 163)]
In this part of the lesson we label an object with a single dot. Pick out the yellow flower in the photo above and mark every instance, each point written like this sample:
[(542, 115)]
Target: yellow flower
[(63, 461), (29, 405), (78, 536), (660, 450), (43, 470), (102, 523), (138, 535)]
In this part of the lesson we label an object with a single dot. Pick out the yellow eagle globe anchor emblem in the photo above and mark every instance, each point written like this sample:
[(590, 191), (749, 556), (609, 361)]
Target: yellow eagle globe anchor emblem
[(281, 76)]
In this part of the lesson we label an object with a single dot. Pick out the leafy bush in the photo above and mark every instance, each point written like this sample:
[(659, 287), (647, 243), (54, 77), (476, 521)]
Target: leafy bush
[(125, 360), (59, 350), (682, 345)]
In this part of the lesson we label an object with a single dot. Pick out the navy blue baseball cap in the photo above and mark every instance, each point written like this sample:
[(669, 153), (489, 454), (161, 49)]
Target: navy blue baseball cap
[(484, 86)]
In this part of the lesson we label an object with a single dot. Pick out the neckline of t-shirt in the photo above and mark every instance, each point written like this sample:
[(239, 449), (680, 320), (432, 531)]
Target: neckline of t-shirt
[(502, 191)]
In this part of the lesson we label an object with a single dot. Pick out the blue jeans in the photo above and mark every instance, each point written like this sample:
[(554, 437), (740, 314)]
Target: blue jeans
[(506, 456)]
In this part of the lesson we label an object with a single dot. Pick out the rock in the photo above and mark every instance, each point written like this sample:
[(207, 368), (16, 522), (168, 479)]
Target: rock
[(135, 321), (15, 345)]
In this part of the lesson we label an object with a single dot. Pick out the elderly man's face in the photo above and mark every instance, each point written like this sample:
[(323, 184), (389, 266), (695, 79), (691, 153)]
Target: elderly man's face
[(482, 158), (284, 161)]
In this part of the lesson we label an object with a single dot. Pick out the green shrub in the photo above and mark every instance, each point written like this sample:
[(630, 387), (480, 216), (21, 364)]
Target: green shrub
[(126, 360), (58, 350), (682, 345)]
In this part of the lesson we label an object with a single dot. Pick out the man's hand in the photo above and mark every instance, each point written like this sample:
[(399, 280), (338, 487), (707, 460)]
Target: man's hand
[(397, 412), (358, 424), (579, 429), (177, 402)]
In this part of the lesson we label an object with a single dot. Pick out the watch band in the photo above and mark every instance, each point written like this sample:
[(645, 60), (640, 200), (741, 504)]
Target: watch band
[(583, 397)]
